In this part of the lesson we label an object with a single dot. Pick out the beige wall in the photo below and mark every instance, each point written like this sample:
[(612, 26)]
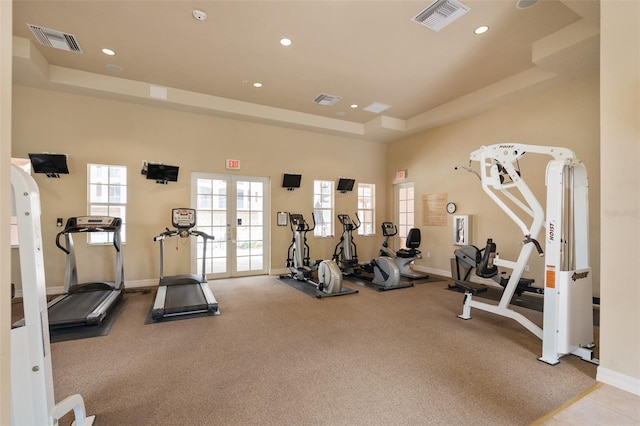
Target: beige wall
[(620, 135), (565, 116), (93, 130)]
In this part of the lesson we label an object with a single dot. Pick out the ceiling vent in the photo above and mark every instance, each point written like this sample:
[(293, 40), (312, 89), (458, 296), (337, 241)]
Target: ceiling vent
[(440, 13), (327, 100), (56, 39), (376, 107)]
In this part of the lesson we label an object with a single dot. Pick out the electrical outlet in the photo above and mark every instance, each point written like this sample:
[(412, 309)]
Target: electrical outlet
[(428, 254), (526, 268)]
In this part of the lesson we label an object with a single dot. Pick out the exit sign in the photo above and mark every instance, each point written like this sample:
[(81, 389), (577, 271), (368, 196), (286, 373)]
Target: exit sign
[(401, 174), (233, 164)]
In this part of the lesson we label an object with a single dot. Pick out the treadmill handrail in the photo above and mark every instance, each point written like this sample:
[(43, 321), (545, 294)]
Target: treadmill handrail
[(165, 234), (116, 236), (60, 246), (170, 233), (202, 234)]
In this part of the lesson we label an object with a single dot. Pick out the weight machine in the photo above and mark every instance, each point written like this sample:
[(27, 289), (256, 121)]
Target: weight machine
[(32, 396), (470, 257), (568, 294)]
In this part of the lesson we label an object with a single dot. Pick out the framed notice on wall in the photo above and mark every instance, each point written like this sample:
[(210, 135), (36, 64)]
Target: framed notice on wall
[(461, 230), (433, 209), (282, 218)]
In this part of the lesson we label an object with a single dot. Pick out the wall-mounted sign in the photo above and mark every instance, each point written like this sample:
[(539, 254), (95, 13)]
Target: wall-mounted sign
[(433, 209), (233, 164), (401, 174)]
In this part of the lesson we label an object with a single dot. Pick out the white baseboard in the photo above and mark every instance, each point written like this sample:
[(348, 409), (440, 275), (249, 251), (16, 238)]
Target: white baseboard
[(53, 291), (141, 283), (427, 270), (618, 380)]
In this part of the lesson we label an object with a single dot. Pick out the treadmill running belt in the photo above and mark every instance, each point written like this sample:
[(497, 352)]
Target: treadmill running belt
[(184, 298), (74, 309)]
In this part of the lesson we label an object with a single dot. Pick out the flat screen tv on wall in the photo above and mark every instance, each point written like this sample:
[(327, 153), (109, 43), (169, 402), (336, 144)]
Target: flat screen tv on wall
[(291, 181), (345, 184), (53, 165), (162, 173)]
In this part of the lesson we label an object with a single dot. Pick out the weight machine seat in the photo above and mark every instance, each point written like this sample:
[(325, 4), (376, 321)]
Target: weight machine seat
[(413, 242)]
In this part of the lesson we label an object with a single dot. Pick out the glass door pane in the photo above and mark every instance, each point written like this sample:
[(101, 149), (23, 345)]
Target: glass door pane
[(250, 226), (233, 210), (211, 206)]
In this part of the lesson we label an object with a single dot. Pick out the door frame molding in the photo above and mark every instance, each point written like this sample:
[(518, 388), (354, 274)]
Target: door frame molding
[(266, 234)]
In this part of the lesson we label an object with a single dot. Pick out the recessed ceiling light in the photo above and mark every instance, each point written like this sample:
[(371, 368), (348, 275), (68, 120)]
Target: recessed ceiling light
[(108, 52), (285, 42), (354, 106), (481, 29), (257, 84), (523, 4)]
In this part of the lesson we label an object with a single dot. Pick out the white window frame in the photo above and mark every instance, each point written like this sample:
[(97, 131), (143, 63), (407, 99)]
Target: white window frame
[(367, 208), (25, 164), (104, 238), (323, 208), (405, 205)]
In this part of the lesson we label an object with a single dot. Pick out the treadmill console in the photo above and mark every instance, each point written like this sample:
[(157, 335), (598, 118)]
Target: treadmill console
[(93, 224), (184, 219)]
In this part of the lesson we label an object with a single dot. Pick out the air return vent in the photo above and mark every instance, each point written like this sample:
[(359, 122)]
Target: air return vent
[(440, 13), (327, 100), (56, 39)]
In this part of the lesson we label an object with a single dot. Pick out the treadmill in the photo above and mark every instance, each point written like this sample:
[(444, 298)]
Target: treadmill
[(186, 294), (86, 303)]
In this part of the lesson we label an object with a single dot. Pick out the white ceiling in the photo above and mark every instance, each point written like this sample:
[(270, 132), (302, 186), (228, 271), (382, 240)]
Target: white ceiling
[(363, 51)]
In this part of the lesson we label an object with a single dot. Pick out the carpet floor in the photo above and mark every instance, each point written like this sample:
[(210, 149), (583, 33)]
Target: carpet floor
[(276, 356)]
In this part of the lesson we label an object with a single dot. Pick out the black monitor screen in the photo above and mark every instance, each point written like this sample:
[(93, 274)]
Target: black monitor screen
[(345, 184), (162, 172), (51, 164), (291, 181)]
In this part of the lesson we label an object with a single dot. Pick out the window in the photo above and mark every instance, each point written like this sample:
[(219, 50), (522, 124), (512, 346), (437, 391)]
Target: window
[(107, 197), (323, 208), (25, 164), (366, 208), (404, 196)]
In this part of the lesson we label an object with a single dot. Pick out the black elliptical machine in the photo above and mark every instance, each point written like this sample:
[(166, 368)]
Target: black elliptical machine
[(329, 276), (382, 273)]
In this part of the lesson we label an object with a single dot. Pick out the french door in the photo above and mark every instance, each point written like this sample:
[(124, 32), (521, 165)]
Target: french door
[(404, 210), (234, 210)]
